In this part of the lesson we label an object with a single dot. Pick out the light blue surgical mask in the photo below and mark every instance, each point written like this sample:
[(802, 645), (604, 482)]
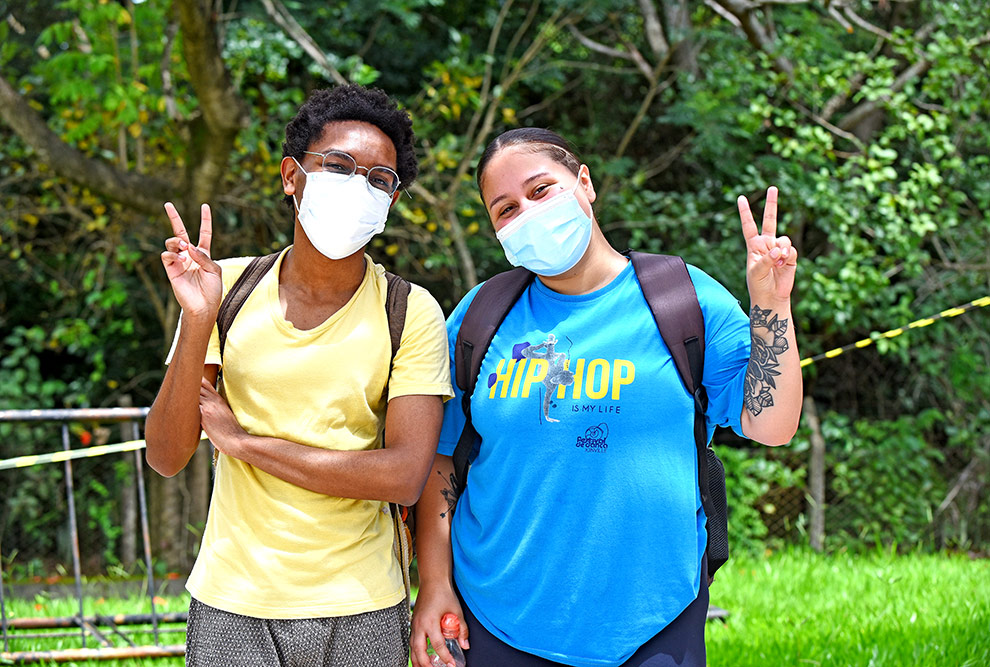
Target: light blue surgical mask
[(549, 238)]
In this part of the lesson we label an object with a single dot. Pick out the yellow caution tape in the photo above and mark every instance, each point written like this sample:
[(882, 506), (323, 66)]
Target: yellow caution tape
[(56, 457), (102, 450), (917, 324)]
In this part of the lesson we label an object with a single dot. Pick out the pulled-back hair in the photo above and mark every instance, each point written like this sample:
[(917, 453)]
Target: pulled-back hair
[(353, 102), (535, 139)]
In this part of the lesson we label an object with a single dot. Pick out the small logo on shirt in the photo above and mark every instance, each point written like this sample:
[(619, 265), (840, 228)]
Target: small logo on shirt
[(594, 439)]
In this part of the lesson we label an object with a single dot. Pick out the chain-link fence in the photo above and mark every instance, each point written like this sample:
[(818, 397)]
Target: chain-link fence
[(839, 484), (844, 484), (80, 507), (70, 513)]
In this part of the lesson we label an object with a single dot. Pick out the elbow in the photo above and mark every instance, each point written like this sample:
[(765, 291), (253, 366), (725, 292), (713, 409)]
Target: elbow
[(780, 437), (407, 494), (408, 491), (156, 451), (159, 463)]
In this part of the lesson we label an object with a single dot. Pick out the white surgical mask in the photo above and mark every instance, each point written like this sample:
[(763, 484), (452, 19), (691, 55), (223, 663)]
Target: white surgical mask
[(550, 237), (340, 213)]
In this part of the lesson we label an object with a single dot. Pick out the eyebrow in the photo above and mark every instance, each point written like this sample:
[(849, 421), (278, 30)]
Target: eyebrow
[(529, 180), (341, 150)]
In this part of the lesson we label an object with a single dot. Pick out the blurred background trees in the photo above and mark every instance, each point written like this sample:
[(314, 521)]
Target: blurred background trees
[(871, 116)]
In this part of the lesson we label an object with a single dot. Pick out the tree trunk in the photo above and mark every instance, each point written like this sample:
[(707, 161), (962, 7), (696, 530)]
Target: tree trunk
[(816, 477), (128, 497), (166, 516), (200, 487)]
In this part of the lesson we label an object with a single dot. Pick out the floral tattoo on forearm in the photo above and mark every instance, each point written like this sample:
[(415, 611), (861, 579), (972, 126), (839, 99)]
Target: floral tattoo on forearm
[(763, 362), (449, 494)]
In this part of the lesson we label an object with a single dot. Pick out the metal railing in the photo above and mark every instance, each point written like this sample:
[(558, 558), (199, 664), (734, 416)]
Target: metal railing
[(130, 418)]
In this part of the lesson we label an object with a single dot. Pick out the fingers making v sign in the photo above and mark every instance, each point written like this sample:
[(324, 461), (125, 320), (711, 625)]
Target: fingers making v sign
[(771, 260), (195, 277)]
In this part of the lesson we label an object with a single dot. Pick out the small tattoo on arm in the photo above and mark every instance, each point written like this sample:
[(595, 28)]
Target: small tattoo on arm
[(449, 494), (763, 361)]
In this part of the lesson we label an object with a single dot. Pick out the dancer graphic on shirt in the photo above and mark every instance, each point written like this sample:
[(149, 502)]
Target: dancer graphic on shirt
[(557, 373)]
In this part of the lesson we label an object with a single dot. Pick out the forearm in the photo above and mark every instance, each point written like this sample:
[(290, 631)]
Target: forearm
[(434, 512), (773, 387), (389, 474), (172, 428)]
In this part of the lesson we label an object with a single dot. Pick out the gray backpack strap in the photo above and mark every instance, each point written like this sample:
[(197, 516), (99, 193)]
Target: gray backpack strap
[(396, 298), (674, 303), (240, 291), (403, 518)]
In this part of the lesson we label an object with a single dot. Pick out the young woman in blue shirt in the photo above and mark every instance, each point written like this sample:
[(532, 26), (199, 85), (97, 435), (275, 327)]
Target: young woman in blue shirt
[(580, 537)]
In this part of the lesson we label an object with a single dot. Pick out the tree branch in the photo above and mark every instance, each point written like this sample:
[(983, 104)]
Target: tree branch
[(288, 23), (743, 10), (224, 112), (721, 11), (635, 56), (654, 30), (839, 132), (168, 89), (138, 191), (655, 89), (861, 112)]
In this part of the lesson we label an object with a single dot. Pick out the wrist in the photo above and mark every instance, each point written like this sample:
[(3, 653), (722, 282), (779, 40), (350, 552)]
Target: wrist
[(774, 304), (437, 582), (201, 318)]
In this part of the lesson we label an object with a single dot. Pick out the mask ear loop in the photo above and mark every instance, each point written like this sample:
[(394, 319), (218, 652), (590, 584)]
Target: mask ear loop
[(303, 170), (578, 181)]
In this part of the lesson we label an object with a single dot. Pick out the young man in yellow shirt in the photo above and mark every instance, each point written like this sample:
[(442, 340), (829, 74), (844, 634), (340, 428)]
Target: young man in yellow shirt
[(297, 564)]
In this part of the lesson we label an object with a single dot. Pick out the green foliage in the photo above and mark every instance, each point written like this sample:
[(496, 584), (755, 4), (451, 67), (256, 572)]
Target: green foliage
[(888, 213), (886, 476), (753, 479)]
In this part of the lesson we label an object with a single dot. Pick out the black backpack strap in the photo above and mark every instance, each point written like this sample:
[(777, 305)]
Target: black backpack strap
[(240, 291), (484, 316), (674, 303)]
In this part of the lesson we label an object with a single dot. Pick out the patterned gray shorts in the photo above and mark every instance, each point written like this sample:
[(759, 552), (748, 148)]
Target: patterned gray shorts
[(216, 638)]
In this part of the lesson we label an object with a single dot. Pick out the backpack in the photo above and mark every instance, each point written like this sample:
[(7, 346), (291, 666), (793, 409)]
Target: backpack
[(396, 296), (674, 303)]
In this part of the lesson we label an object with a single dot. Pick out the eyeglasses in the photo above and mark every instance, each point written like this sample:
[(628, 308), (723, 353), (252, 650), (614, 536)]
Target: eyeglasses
[(380, 178)]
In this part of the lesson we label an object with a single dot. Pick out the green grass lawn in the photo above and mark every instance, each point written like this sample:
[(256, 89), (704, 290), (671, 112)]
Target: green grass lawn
[(790, 608), (42, 606), (799, 608)]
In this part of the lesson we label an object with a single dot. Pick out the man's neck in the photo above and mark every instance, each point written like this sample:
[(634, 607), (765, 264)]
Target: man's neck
[(305, 270)]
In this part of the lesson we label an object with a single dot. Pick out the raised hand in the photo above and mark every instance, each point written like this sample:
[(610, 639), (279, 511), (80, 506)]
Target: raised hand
[(195, 277), (771, 260)]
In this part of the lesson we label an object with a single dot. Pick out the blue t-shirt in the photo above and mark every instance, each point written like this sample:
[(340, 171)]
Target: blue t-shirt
[(580, 533)]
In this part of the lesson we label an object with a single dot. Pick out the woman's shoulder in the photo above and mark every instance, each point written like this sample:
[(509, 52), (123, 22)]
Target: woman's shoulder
[(707, 287)]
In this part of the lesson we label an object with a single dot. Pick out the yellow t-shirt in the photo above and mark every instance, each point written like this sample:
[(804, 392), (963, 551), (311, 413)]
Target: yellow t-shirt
[(275, 550)]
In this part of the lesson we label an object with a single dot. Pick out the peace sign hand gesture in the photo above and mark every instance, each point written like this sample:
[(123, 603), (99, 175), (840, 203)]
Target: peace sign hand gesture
[(196, 279), (771, 260)]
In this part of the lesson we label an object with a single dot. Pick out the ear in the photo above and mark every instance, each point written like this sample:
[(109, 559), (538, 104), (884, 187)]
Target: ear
[(584, 181), (289, 169)]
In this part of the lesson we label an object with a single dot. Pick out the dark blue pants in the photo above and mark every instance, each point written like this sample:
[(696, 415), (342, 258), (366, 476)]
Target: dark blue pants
[(680, 644)]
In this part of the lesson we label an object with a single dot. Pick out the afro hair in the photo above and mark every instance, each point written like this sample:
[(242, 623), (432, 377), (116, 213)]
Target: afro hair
[(353, 102)]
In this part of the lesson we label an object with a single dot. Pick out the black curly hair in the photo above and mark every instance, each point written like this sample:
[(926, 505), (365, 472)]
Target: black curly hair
[(353, 102)]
